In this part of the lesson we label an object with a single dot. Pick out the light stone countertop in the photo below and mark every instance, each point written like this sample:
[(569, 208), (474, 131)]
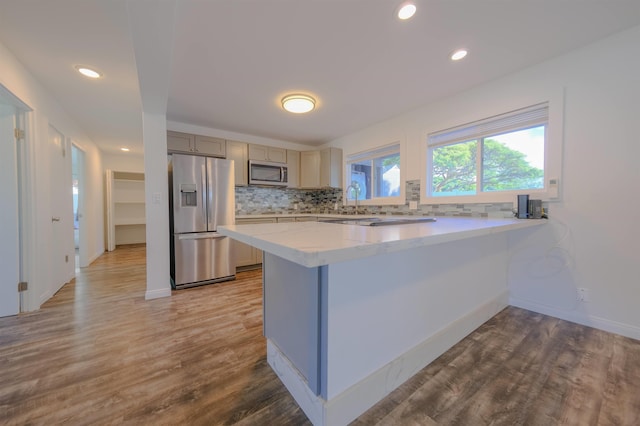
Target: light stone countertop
[(279, 215), (314, 244)]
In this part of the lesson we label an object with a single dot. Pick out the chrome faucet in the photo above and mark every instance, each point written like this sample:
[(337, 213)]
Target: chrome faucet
[(356, 190)]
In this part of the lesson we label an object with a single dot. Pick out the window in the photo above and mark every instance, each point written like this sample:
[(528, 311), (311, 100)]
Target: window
[(503, 154), (374, 175)]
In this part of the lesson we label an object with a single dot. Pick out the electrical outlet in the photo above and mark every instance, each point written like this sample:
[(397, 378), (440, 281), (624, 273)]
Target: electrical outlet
[(335, 206), (583, 295), (413, 205), (295, 206)]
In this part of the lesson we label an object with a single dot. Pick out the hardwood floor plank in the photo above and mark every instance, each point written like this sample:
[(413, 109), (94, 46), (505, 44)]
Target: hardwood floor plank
[(537, 371), (621, 399), (98, 353)]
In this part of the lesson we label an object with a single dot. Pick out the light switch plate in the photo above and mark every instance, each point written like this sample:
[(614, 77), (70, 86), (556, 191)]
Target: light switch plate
[(553, 188)]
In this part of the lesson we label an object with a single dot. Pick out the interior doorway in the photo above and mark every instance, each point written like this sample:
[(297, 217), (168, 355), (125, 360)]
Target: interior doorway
[(78, 188)]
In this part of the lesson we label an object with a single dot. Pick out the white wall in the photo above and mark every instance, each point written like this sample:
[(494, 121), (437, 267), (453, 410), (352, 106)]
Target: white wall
[(125, 162), (93, 204), (17, 79), (156, 205), (593, 238)]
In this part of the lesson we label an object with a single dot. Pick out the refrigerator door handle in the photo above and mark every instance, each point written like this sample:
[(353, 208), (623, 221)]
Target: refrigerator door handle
[(200, 236), (210, 223), (203, 177)]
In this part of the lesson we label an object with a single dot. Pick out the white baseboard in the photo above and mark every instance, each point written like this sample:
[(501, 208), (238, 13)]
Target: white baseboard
[(579, 318), (157, 293), (94, 257), (311, 404), (354, 401)]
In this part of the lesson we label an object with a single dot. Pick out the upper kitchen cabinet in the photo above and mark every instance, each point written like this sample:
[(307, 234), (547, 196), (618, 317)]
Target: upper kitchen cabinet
[(238, 152), (267, 153), (196, 144), (206, 145), (321, 169), (293, 169), (310, 169), (180, 142), (331, 168)]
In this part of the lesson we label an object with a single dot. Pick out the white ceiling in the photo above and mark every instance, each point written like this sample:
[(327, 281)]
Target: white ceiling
[(233, 60)]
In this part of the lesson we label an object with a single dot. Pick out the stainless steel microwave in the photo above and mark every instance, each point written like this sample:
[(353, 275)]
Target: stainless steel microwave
[(266, 173)]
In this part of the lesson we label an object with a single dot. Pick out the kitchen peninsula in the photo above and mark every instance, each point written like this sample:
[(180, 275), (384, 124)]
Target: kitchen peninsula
[(351, 312)]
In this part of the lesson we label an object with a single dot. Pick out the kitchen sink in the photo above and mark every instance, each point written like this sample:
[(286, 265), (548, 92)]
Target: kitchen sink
[(379, 221)]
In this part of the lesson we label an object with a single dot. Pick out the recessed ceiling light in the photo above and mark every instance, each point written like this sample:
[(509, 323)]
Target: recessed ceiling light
[(458, 54), (124, 149), (88, 72), (298, 104), (406, 10)]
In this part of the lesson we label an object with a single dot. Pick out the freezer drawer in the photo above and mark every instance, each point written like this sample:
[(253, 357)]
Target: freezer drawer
[(202, 258)]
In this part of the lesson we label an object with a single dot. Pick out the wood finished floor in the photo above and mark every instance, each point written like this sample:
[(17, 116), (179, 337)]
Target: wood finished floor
[(98, 353)]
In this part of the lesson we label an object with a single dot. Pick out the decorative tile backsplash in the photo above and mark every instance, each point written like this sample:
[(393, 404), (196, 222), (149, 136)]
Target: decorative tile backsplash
[(275, 200)]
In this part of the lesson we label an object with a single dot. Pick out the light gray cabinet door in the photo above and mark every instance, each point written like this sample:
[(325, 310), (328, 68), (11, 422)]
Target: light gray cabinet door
[(267, 153), (237, 151), (276, 155), (310, 169), (286, 219), (207, 145), (306, 219), (257, 152), (180, 142), (331, 168), (245, 254), (195, 144), (293, 169), (321, 169)]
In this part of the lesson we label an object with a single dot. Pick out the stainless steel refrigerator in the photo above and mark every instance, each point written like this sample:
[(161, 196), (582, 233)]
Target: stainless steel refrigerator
[(202, 197)]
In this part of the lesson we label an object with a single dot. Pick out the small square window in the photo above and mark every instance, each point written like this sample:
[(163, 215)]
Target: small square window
[(374, 175)]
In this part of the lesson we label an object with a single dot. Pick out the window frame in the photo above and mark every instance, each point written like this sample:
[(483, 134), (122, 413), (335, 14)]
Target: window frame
[(552, 154), (371, 155)]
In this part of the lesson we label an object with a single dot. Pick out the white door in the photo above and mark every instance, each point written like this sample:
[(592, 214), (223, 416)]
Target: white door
[(61, 208), (9, 225)]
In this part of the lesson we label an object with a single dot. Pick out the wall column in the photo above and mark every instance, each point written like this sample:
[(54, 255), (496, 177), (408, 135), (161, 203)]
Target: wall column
[(156, 204)]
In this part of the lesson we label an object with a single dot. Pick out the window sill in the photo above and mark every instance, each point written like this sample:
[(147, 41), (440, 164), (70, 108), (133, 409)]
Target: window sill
[(391, 201), (487, 198)]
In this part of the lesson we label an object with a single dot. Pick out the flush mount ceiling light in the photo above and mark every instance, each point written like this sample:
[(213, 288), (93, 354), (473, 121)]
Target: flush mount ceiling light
[(124, 149), (88, 72), (298, 104), (458, 54), (406, 10)]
